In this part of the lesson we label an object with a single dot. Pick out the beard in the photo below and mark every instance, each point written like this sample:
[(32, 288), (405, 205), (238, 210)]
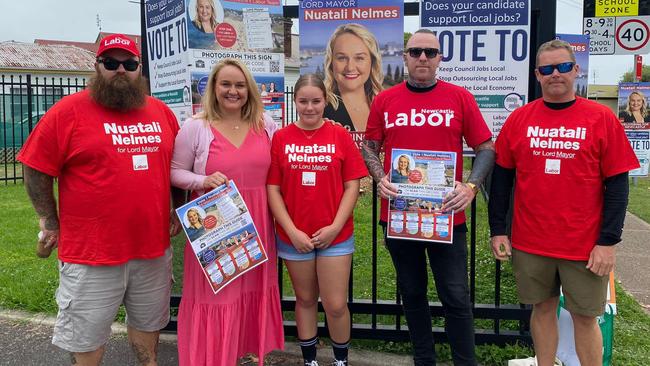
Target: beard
[(119, 92)]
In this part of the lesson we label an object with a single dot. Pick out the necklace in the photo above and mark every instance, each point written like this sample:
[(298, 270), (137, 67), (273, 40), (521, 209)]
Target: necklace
[(235, 126), (313, 133)]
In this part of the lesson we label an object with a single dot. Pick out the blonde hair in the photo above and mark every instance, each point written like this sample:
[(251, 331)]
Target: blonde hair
[(373, 85), (198, 215), (644, 110), (213, 17), (251, 113)]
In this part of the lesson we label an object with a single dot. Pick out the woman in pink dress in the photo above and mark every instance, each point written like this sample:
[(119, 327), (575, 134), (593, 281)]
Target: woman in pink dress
[(229, 140)]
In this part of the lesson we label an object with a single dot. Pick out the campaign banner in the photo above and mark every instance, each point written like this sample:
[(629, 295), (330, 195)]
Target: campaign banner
[(423, 179), (633, 105), (357, 47), (640, 141), (580, 45), (267, 69), (251, 31), (485, 46), (222, 235), (236, 25), (167, 49)]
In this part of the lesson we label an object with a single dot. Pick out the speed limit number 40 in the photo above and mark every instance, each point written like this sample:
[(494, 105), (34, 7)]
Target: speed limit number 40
[(632, 35)]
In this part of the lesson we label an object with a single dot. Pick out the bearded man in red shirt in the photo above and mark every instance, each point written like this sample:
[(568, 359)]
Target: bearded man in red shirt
[(110, 148)]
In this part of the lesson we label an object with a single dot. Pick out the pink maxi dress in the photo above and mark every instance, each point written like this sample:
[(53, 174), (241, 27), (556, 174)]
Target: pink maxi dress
[(244, 317)]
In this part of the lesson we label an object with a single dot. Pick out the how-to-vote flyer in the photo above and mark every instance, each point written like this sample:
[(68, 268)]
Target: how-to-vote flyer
[(222, 235), (423, 178)]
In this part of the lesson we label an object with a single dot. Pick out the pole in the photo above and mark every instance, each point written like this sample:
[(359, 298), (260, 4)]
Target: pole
[(143, 41)]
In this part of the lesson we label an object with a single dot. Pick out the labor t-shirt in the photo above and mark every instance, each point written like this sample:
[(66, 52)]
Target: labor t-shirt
[(435, 120), (113, 177), (561, 159), (311, 167)]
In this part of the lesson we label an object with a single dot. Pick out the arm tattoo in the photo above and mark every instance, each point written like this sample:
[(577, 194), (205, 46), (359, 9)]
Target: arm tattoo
[(39, 189), (370, 151), (485, 157)]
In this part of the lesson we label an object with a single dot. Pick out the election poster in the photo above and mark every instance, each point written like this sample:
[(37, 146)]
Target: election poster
[(580, 45), (357, 47), (485, 46), (423, 179), (222, 235), (640, 141), (634, 115), (633, 105), (167, 48), (251, 31)]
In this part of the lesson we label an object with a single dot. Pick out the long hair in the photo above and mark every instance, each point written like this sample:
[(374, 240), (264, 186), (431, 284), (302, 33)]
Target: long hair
[(213, 16), (251, 112), (198, 215), (644, 109), (373, 85)]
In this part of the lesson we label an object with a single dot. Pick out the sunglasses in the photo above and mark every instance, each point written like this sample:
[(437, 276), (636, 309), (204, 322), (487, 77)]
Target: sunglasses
[(415, 52), (563, 68), (112, 64)]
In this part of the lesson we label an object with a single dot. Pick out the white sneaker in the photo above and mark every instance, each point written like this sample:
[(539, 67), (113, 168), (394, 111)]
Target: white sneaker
[(313, 363), (339, 363)]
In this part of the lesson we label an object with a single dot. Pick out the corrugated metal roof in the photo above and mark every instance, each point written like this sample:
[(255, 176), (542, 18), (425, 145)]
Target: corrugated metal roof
[(92, 47), (32, 56)]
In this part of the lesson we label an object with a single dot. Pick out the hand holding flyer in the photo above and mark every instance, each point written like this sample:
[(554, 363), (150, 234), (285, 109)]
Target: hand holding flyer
[(222, 235), (423, 179)]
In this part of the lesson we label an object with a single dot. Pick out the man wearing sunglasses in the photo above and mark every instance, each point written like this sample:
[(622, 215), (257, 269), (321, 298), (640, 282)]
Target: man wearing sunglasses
[(429, 114), (110, 148), (571, 158)]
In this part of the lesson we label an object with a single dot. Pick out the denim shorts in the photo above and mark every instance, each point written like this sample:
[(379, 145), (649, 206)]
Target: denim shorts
[(288, 252)]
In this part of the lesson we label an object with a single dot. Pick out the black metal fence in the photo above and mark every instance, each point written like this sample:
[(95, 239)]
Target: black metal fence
[(23, 100)]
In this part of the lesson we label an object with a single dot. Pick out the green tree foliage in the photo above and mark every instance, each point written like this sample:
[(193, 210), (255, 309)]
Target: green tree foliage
[(630, 76), (388, 77), (407, 35)]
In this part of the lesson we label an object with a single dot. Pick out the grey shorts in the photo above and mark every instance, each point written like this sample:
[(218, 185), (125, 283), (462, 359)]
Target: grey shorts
[(90, 296)]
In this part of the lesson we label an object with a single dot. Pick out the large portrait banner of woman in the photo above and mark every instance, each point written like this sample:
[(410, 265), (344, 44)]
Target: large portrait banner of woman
[(634, 115), (357, 47)]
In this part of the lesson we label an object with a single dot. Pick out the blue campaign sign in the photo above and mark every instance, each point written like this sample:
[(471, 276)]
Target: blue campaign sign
[(203, 83), (160, 11), (471, 13), (209, 256)]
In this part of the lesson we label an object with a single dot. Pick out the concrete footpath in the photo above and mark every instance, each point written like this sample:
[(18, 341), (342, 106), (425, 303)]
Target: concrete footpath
[(633, 260), (25, 339)]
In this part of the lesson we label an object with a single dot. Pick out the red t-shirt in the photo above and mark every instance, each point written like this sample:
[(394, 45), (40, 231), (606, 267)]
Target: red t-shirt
[(561, 158), (311, 173), (436, 120), (113, 172)]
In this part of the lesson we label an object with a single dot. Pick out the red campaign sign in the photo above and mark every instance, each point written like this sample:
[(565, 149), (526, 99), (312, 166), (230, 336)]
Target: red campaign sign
[(639, 66), (258, 2), (226, 35)]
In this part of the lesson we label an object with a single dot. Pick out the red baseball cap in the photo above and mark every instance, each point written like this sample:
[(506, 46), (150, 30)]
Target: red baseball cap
[(118, 41)]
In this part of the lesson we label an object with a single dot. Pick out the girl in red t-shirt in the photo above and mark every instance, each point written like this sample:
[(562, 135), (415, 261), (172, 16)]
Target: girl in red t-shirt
[(313, 185)]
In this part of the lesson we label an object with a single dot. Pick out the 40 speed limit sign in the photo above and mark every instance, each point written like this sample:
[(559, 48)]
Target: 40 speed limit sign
[(618, 35)]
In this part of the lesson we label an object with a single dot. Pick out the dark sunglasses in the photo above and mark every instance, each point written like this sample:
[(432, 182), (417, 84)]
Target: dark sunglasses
[(112, 64), (415, 52), (563, 68)]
